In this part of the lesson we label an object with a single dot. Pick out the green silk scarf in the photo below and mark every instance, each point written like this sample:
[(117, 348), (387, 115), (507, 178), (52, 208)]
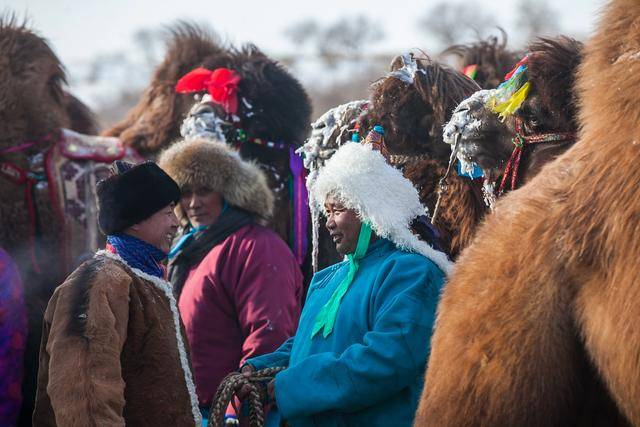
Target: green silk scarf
[(327, 315)]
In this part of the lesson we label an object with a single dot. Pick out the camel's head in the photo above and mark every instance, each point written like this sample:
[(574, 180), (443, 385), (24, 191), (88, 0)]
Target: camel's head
[(486, 125), (414, 101), (337, 126), (262, 105), (32, 97), (271, 104), (482, 138)]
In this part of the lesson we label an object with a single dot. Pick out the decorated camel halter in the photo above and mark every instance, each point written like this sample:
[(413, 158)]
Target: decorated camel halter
[(222, 86), (505, 101), (28, 180), (61, 167), (520, 140)]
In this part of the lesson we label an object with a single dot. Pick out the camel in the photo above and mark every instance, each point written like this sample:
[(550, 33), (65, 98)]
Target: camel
[(345, 123), (485, 61), (46, 176), (412, 103), (547, 119), (270, 119), (538, 322)]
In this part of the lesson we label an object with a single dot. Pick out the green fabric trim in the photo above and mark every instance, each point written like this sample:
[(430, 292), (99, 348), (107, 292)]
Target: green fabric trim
[(327, 316)]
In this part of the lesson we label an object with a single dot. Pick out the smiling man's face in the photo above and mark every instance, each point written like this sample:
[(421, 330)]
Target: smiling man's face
[(158, 230), (343, 225)]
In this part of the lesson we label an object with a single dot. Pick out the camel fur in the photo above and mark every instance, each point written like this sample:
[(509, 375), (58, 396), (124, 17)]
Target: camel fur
[(35, 106), (272, 107), (538, 324), (155, 121), (413, 115)]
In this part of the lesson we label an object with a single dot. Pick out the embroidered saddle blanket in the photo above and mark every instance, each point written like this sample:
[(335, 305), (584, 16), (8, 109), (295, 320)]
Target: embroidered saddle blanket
[(73, 166)]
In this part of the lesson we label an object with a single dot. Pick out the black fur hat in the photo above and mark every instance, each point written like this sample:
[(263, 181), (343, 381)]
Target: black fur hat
[(132, 194)]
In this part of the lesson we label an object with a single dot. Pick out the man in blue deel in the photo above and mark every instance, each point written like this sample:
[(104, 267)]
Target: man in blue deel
[(360, 350)]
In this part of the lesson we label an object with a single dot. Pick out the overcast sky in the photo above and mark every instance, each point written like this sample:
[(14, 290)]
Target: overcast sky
[(79, 29)]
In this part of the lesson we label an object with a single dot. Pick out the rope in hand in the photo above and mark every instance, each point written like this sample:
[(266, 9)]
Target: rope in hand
[(231, 385)]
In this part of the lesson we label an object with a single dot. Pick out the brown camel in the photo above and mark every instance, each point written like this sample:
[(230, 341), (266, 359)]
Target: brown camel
[(485, 61), (272, 117), (46, 172), (412, 103), (549, 111), (538, 323)]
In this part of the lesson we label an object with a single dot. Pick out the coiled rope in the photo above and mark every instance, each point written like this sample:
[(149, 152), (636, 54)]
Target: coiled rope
[(231, 385)]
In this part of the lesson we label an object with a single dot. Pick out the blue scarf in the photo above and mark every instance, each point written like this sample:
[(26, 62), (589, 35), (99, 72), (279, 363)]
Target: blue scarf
[(184, 239), (138, 253)]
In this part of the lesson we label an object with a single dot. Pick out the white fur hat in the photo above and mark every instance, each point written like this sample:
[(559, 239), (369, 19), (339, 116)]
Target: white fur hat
[(362, 179)]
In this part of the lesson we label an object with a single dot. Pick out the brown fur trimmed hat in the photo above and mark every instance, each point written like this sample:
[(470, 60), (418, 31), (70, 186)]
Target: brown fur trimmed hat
[(200, 162)]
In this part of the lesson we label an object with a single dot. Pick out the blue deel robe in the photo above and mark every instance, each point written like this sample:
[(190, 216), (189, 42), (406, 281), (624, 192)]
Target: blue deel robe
[(369, 370)]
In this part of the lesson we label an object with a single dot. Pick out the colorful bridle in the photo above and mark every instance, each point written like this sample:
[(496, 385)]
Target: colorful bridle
[(506, 101), (520, 141), (28, 180)]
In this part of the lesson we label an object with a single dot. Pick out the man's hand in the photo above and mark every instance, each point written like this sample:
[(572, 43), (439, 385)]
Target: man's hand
[(247, 371)]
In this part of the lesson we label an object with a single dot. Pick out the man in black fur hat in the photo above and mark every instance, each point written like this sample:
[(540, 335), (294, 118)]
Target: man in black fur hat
[(112, 351)]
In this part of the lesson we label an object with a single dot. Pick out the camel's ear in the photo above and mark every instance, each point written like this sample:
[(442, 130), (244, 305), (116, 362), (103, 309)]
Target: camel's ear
[(429, 92), (81, 118), (552, 69), (396, 63)]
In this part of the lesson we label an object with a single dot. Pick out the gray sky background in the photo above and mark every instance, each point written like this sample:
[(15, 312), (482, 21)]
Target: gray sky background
[(107, 68), (78, 29)]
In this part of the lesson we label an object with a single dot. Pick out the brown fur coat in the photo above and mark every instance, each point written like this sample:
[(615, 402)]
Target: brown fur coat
[(539, 322), (113, 352)]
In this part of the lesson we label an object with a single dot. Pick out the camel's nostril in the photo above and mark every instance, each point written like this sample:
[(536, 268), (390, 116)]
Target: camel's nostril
[(450, 131), (202, 109)]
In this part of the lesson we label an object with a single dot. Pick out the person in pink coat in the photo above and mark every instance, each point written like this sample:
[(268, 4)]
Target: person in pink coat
[(238, 283)]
